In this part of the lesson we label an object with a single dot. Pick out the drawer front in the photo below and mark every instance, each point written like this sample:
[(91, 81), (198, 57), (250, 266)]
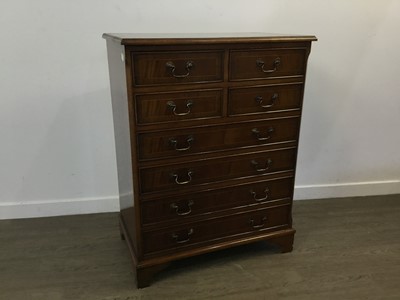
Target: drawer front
[(203, 203), (215, 138), (185, 235), (173, 177), (177, 67), (264, 99), (171, 107), (262, 64)]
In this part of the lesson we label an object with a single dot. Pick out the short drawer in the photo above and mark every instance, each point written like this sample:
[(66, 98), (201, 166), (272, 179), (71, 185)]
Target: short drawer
[(151, 68), (203, 203), (256, 221), (264, 99), (177, 176), (171, 107), (215, 138), (262, 64)]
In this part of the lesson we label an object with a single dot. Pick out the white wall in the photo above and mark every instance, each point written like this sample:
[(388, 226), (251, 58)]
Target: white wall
[(57, 154)]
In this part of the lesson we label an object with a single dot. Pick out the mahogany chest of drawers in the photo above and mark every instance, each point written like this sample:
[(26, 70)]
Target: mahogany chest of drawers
[(206, 132)]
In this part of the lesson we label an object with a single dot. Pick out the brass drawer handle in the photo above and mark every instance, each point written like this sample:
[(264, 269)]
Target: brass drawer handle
[(254, 194), (261, 64), (261, 225), (187, 239), (176, 177), (176, 207), (174, 143), (266, 167), (256, 133), (172, 105), (259, 100), (171, 66)]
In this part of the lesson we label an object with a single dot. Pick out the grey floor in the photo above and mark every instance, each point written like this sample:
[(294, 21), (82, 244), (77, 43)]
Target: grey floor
[(344, 249)]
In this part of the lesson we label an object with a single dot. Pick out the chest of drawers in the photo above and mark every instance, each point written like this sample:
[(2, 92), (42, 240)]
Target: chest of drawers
[(206, 133)]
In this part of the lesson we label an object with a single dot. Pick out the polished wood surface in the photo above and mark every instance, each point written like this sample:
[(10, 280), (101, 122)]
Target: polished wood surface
[(169, 107), (216, 170), (152, 67), (180, 237), (202, 38), (265, 99), (344, 249), (213, 134), (169, 143), (243, 64), (190, 207)]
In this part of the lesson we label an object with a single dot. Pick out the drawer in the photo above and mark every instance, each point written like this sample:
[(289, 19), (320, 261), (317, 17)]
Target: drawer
[(200, 140), (203, 203), (171, 107), (257, 221), (264, 99), (152, 68), (262, 64), (177, 176)]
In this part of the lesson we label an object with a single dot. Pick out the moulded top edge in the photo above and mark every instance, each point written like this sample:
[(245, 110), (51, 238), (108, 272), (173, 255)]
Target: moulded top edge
[(203, 38)]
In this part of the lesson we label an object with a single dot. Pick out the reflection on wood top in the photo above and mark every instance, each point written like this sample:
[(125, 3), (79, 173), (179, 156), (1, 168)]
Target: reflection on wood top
[(203, 38)]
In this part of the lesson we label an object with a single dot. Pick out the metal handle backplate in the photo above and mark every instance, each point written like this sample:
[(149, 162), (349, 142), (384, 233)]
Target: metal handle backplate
[(259, 100), (176, 178), (174, 143), (171, 67), (257, 134), (261, 64), (184, 213), (172, 105), (260, 225), (267, 165), (254, 194), (177, 239)]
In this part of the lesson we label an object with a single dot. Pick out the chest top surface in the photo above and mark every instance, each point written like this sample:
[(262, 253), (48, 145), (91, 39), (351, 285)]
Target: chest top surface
[(203, 38)]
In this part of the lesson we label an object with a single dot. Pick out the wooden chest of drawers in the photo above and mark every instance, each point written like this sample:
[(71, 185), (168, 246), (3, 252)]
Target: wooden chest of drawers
[(206, 132)]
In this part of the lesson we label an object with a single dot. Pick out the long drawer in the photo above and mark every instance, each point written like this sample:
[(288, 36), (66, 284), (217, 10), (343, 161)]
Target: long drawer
[(204, 203), (177, 67), (266, 63), (175, 176), (256, 221), (169, 143), (178, 106)]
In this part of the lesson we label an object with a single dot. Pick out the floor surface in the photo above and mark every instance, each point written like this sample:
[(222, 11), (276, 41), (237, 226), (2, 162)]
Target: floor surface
[(344, 249)]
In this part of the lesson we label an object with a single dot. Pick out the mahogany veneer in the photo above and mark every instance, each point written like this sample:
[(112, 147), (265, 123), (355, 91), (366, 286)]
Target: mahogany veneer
[(206, 131)]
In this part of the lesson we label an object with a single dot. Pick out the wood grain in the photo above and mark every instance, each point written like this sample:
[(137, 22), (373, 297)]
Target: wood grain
[(217, 138), (243, 64), (180, 176), (151, 67), (207, 136)]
